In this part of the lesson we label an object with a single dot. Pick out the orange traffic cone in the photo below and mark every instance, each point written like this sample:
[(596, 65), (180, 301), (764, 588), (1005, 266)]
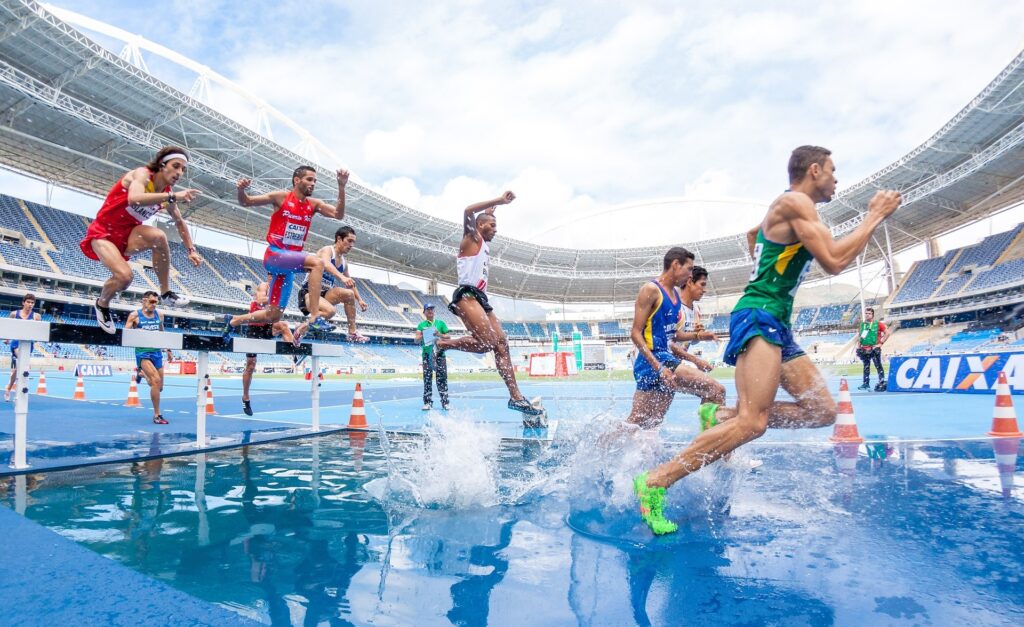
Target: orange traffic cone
[(1004, 418), (133, 394), (357, 419), (1006, 462), (357, 442), (846, 425), (79, 390), (210, 411), (41, 388)]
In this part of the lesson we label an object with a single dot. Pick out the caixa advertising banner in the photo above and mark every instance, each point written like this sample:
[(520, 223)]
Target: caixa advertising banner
[(962, 374)]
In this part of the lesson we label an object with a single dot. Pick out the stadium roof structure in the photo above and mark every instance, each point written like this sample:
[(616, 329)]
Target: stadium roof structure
[(74, 113)]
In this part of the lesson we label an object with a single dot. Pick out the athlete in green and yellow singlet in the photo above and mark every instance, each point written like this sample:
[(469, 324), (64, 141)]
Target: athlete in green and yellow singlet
[(761, 343)]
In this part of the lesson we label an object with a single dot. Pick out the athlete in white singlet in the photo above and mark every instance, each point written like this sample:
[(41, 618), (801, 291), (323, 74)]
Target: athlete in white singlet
[(337, 286), (469, 302)]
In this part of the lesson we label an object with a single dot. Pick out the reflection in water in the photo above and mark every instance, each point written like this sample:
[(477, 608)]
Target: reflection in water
[(288, 534)]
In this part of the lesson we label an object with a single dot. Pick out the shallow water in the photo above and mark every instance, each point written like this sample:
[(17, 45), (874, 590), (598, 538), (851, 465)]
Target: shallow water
[(458, 528)]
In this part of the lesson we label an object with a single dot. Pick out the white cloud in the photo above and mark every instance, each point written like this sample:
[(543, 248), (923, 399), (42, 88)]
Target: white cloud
[(582, 107)]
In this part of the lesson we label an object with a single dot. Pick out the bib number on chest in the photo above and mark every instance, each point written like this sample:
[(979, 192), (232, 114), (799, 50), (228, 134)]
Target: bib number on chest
[(143, 212), (294, 235)]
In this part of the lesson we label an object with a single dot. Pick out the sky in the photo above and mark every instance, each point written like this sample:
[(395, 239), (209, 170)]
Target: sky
[(593, 113)]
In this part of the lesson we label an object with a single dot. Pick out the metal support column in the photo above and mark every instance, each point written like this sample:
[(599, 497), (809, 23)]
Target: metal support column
[(202, 385), (18, 459), (315, 393)]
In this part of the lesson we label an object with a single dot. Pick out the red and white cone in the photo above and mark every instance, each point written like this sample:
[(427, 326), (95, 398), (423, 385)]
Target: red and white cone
[(845, 429), (1004, 418), (79, 390), (357, 419), (210, 411), (41, 388), (133, 394)]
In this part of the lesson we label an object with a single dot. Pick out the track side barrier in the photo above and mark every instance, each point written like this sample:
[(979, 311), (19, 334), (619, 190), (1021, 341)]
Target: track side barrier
[(27, 331)]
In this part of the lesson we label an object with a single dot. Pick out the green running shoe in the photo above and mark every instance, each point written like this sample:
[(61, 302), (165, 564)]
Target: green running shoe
[(652, 505), (706, 412)]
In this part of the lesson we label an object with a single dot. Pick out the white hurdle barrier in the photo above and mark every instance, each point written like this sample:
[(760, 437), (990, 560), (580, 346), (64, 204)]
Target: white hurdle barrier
[(25, 332), (320, 350)]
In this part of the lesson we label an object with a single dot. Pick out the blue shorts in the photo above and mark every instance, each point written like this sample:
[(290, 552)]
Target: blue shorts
[(746, 324), (157, 358), (282, 265), (647, 380)]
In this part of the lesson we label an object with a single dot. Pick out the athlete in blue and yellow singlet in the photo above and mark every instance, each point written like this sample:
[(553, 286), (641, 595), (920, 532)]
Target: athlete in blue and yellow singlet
[(655, 319), (658, 331)]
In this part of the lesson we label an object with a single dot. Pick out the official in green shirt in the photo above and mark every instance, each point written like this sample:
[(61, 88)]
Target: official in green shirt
[(872, 335), (427, 333)]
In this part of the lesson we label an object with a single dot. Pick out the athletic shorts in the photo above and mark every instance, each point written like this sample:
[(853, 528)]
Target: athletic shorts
[(303, 292), (14, 352), (259, 332), (156, 357), (746, 324), (116, 234), (468, 291), (282, 265), (647, 379)]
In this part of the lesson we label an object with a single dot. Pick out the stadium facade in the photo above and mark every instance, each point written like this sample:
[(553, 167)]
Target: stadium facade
[(73, 113)]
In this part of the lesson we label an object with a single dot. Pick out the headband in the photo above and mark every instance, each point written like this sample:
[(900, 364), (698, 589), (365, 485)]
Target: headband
[(174, 155)]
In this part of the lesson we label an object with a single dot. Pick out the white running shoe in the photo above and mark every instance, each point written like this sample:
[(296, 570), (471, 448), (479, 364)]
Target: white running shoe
[(427, 406), (104, 318), (171, 298)]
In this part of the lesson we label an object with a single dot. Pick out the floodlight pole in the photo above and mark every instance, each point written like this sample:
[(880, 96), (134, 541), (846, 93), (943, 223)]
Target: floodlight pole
[(860, 281)]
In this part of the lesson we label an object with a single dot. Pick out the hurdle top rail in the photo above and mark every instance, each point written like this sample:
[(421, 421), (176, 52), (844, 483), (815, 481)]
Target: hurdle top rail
[(26, 331)]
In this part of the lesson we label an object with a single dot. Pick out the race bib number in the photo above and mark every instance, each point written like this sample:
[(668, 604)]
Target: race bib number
[(294, 235), (143, 212)]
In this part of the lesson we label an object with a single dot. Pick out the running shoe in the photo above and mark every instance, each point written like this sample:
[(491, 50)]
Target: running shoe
[(524, 406), (882, 386), (103, 317), (159, 419), (171, 298), (445, 406), (706, 412), (427, 406), (321, 325), (357, 338), (247, 408), (7, 396), (652, 506), (864, 387)]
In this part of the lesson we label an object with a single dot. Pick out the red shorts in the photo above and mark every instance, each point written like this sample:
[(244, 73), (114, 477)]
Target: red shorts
[(116, 234)]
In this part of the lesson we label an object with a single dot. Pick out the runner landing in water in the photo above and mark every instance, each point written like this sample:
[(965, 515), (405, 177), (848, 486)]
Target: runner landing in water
[(761, 343), (469, 303)]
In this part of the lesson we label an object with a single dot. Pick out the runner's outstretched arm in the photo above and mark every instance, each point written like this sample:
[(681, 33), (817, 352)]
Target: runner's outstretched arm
[(337, 210), (835, 255)]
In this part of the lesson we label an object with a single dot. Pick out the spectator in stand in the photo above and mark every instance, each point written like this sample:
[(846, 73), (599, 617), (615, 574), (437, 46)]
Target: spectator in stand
[(872, 335), (427, 333), (25, 313)]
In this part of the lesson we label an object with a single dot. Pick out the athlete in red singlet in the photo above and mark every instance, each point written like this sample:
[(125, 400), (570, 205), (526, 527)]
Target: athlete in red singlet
[(289, 227), (118, 231), (260, 331)]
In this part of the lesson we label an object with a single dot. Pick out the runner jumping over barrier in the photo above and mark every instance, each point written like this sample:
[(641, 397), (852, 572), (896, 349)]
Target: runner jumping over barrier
[(118, 231)]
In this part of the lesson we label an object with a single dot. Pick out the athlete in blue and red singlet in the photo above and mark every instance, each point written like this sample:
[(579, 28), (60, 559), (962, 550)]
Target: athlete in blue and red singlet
[(286, 237), (118, 231)]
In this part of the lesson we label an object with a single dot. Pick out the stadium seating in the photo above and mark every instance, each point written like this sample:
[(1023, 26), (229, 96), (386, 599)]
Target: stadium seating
[(14, 218), (16, 255)]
